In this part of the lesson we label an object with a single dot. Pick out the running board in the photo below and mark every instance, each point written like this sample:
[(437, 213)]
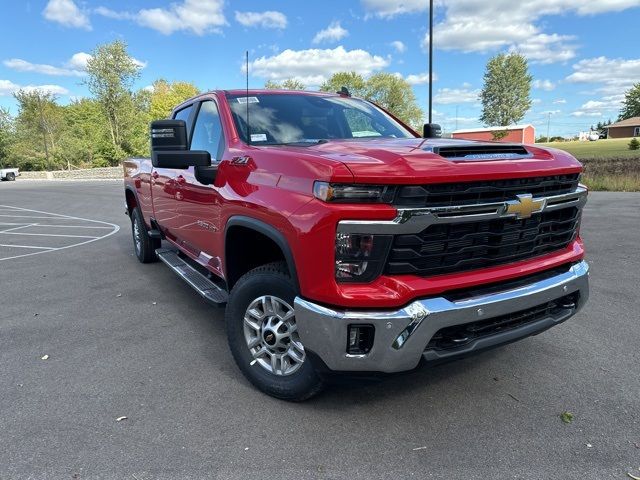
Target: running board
[(201, 284)]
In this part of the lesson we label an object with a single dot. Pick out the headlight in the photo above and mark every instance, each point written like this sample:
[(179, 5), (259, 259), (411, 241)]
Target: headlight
[(360, 257), (346, 193)]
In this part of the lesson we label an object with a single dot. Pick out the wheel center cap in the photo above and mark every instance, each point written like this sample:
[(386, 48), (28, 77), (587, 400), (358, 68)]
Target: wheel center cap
[(269, 337)]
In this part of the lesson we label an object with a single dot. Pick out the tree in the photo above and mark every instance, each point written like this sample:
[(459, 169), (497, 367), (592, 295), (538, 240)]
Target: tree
[(165, 96), (394, 94), (111, 73), (505, 93), (354, 82), (631, 103), (634, 144), (39, 127), (6, 135), (288, 84)]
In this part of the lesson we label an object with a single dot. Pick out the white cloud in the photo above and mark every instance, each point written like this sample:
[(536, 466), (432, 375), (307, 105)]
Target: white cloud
[(536, 101), (74, 67), (546, 85), (332, 33), (107, 12), (196, 16), (481, 26), (613, 75), (419, 78), (8, 88), (23, 66), (314, 66), (559, 101), (67, 13), (268, 19), (456, 95), (391, 8), (608, 104), (399, 46)]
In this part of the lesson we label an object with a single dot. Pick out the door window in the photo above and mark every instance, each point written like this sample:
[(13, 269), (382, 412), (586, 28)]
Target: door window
[(184, 114), (207, 132)]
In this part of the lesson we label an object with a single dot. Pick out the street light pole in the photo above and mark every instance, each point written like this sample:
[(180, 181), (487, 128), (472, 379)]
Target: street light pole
[(430, 61), (548, 125)]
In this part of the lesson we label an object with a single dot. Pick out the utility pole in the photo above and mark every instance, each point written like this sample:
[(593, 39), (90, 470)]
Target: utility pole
[(431, 61), (548, 125)]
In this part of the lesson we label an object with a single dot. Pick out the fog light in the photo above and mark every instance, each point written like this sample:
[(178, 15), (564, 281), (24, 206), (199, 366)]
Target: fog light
[(360, 339)]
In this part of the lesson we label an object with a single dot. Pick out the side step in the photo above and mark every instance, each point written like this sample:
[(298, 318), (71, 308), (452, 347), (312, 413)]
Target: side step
[(201, 284)]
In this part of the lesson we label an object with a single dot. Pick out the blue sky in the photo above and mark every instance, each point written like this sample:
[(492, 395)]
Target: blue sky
[(583, 55)]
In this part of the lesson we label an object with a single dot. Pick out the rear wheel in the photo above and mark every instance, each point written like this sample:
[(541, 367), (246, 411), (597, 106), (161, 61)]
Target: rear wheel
[(263, 335), (11, 176), (143, 245)]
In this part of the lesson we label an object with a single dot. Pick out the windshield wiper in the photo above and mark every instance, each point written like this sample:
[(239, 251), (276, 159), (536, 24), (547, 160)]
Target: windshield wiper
[(303, 143)]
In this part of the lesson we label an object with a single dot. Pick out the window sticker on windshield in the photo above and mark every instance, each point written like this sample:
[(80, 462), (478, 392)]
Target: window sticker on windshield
[(248, 100), (258, 137)]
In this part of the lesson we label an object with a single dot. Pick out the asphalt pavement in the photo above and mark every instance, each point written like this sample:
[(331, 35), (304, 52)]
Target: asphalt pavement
[(130, 340)]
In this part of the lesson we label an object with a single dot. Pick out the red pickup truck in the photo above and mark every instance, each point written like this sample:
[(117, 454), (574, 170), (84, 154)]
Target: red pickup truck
[(342, 241)]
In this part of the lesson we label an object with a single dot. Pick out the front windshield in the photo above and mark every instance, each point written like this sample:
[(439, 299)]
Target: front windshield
[(277, 119)]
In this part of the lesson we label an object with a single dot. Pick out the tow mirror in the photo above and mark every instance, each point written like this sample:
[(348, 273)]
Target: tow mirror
[(432, 130), (168, 135), (170, 149)]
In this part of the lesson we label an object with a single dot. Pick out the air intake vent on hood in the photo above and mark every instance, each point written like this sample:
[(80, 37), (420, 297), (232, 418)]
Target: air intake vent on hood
[(482, 152)]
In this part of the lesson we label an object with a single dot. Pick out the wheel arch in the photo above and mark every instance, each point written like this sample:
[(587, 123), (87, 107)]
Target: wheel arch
[(265, 230)]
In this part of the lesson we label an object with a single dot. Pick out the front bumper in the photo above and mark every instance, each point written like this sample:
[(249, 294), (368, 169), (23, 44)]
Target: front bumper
[(401, 336)]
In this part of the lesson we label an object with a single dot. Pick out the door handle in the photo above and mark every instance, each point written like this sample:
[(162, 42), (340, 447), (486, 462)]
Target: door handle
[(180, 180), (155, 174)]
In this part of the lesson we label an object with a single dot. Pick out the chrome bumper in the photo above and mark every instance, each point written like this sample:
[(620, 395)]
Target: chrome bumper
[(401, 336)]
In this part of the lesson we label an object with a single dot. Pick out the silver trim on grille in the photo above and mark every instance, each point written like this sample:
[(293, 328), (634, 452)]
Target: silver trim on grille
[(415, 220)]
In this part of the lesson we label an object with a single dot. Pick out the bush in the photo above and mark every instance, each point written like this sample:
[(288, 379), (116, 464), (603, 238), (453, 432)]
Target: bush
[(634, 144)]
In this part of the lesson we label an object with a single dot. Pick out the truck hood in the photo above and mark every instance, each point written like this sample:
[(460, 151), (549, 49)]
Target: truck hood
[(442, 160)]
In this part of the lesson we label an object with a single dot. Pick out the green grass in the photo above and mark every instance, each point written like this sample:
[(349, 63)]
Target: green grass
[(614, 148)]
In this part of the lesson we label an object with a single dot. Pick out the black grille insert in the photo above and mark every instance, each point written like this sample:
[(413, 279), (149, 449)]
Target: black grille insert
[(455, 247), (469, 193), (458, 336)]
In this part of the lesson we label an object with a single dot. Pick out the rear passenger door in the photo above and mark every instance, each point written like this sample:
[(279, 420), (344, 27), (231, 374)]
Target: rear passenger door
[(199, 205)]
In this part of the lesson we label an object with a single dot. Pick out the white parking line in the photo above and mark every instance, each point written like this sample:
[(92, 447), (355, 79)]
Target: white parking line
[(21, 213), (24, 246)]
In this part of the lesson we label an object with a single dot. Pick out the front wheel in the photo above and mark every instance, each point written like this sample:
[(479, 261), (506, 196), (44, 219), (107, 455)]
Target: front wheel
[(263, 335), (10, 176)]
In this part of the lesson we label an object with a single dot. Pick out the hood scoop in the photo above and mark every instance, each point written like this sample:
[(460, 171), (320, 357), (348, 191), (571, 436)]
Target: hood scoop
[(480, 152)]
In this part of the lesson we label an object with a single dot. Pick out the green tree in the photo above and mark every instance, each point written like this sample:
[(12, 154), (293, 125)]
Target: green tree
[(6, 135), (631, 103), (288, 84), (111, 72), (634, 144), (394, 94), (505, 93), (165, 96), (354, 82), (39, 127)]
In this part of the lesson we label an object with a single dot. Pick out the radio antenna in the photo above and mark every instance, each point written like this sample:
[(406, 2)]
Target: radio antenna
[(247, 96)]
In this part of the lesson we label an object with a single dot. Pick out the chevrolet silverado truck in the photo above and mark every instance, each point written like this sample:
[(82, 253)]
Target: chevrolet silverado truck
[(9, 174), (340, 240)]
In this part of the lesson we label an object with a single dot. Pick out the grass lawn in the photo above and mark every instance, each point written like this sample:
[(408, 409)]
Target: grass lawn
[(614, 148)]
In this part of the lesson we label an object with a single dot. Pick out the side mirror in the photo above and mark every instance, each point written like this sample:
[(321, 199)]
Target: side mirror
[(168, 135), (432, 130)]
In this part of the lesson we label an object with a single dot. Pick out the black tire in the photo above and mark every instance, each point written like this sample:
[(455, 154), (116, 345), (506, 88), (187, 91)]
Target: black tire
[(143, 246), (274, 280), (11, 177)]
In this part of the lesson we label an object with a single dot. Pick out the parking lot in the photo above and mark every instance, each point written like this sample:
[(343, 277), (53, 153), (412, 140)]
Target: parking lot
[(130, 340)]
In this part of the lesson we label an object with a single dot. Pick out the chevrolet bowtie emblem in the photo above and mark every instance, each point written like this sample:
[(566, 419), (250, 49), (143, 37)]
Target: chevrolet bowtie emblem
[(524, 206)]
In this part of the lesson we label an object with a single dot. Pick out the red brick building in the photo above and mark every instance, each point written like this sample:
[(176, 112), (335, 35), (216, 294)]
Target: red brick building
[(516, 134), (625, 128)]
